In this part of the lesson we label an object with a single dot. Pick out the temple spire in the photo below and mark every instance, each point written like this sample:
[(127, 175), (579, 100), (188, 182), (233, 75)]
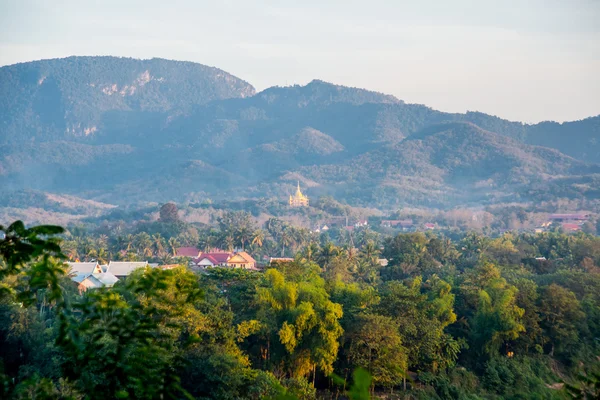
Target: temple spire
[(298, 200)]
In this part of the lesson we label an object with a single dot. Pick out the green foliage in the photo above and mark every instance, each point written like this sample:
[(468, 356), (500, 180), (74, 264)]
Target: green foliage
[(493, 327), (561, 317), (498, 319), (374, 344), (301, 324), (168, 213)]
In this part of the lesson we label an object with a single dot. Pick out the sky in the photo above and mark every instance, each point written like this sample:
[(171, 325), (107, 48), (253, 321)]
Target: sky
[(523, 60)]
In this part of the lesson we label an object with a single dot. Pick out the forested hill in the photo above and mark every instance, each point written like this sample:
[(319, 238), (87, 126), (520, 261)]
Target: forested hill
[(73, 97), (120, 130)]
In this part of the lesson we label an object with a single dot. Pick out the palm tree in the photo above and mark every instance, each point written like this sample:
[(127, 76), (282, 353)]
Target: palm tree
[(102, 240), (127, 243), (244, 233), (69, 247), (370, 252), (300, 237), (229, 242), (310, 252), (165, 259), (143, 244), (173, 245), (258, 237), (102, 255), (285, 239), (208, 241), (158, 244), (327, 253)]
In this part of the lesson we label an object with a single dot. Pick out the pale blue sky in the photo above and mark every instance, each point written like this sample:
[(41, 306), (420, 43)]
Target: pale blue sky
[(526, 60)]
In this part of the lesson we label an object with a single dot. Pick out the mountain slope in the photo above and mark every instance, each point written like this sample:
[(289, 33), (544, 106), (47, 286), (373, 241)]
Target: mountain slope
[(445, 164), (69, 98), (579, 139), (123, 130)]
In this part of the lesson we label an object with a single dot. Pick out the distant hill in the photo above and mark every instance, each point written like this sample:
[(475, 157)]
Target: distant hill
[(122, 130), (446, 164), (579, 139), (75, 97)]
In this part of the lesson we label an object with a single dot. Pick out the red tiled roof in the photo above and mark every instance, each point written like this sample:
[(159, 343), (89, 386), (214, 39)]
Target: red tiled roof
[(187, 252), (571, 227), (430, 226), (569, 216), (217, 257), (209, 258)]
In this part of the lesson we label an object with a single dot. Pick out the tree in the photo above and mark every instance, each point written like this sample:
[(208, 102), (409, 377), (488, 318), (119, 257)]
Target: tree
[(39, 245), (423, 311), (328, 252), (300, 325), (375, 345), (498, 319), (561, 317), (527, 298), (173, 245), (158, 245), (169, 213), (285, 239), (143, 244), (258, 237), (126, 343), (244, 235)]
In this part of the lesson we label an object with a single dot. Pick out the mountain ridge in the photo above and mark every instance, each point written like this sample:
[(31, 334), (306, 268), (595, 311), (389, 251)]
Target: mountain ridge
[(141, 124)]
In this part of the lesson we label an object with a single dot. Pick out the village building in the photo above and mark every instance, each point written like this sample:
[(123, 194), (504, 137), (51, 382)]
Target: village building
[(122, 269), (90, 275), (242, 260), (298, 199), (405, 224), (84, 268), (188, 252), (569, 227), (85, 282), (215, 259), (279, 260), (569, 218)]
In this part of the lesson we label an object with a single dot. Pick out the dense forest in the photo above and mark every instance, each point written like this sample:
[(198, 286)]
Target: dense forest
[(466, 316)]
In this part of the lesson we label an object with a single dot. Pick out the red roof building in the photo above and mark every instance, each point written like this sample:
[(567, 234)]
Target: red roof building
[(571, 227), (187, 252), (213, 259), (568, 217)]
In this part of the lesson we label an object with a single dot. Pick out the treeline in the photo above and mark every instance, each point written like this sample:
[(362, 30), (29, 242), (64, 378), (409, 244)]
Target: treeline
[(158, 240), (514, 317)]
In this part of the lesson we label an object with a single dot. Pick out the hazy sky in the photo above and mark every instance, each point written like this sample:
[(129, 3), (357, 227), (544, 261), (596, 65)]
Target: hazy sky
[(527, 60)]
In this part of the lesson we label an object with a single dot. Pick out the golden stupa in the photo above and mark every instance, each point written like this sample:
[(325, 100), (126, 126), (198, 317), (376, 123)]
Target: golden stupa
[(298, 200)]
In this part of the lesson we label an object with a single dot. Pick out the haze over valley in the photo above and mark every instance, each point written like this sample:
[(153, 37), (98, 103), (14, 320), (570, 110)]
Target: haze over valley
[(122, 131)]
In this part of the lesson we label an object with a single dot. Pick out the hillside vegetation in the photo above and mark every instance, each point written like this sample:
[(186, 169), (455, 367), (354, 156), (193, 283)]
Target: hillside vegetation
[(122, 131)]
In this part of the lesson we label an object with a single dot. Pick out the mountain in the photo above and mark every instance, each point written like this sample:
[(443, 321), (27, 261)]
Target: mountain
[(446, 164), (120, 130), (579, 139), (75, 97)]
